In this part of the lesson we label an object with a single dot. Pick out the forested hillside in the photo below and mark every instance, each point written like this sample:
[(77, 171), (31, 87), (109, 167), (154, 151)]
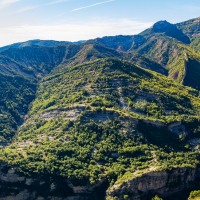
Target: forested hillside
[(102, 118)]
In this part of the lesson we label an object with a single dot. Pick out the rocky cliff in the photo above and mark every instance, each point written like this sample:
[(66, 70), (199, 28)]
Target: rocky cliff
[(169, 184), (17, 186)]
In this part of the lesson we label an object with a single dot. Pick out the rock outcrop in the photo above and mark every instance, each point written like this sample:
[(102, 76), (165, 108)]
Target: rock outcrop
[(170, 184), (16, 186)]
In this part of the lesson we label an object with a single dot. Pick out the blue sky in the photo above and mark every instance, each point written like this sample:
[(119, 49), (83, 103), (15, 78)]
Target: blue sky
[(73, 20)]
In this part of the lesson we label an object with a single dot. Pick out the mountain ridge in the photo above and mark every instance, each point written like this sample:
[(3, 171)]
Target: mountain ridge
[(89, 118)]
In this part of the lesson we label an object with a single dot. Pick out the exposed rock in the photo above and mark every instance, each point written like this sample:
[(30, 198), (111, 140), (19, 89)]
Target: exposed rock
[(163, 183), (15, 186), (71, 114), (101, 116)]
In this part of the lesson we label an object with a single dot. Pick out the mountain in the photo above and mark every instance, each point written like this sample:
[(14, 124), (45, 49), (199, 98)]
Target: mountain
[(40, 43), (102, 119), (167, 29), (121, 42), (16, 94), (190, 28), (31, 63), (170, 45), (110, 118), (20, 70), (90, 52)]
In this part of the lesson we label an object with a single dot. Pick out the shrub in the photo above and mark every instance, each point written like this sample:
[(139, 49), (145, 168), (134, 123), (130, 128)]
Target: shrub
[(156, 198), (194, 195)]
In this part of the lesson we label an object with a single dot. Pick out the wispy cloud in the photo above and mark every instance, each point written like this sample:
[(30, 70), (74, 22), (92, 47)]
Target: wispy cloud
[(29, 8), (25, 9), (57, 2), (92, 5), (71, 31), (6, 3)]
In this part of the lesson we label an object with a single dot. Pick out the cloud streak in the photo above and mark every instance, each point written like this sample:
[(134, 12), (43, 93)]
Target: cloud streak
[(57, 2), (92, 5), (6, 3), (25, 9), (29, 8)]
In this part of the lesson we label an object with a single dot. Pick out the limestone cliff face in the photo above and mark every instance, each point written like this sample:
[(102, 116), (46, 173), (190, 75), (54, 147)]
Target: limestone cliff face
[(171, 185), (174, 184), (16, 186)]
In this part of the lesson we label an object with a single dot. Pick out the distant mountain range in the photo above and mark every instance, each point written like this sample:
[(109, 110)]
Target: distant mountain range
[(116, 117)]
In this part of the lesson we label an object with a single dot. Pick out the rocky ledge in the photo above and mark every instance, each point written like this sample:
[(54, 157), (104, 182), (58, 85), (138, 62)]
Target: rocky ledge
[(17, 186), (169, 184)]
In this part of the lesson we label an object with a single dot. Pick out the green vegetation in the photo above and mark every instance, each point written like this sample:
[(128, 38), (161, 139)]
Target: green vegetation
[(195, 44), (16, 93), (169, 46), (190, 27), (103, 110), (156, 198), (99, 119), (194, 195)]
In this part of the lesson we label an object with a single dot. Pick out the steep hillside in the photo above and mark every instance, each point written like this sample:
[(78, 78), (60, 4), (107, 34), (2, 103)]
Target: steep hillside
[(38, 60), (17, 90), (16, 93), (22, 67), (103, 121), (167, 29), (195, 44), (39, 43), (120, 43), (161, 48), (191, 27), (89, 52), (106, 118), (166, 44), (9, 66), (20, 70)]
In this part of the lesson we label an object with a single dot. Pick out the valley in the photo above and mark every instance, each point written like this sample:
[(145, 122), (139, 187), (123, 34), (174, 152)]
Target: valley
[(110, 118)]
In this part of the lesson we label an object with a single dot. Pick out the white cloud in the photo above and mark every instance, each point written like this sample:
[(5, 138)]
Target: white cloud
[(57, 2), (54, 2), (92, 5), (25, 9), (33, 7), (6, 3), (72, 32)]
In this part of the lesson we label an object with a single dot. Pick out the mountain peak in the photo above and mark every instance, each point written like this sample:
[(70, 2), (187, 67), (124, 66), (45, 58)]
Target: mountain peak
[(168, 29), (161, 26)]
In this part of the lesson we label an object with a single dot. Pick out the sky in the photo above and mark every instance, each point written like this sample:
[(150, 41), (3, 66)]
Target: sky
[(73, 20)]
